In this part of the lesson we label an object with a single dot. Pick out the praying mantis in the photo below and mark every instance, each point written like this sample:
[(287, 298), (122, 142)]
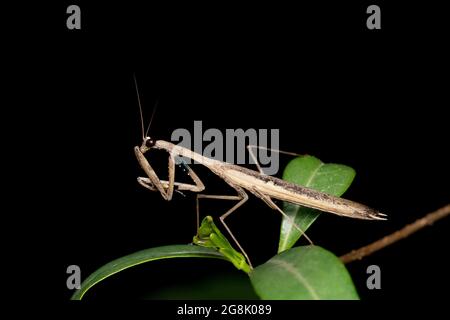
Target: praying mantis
[(242, 180)]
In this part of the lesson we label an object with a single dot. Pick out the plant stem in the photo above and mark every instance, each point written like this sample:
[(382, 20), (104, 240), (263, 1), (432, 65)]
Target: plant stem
[(409, 229)]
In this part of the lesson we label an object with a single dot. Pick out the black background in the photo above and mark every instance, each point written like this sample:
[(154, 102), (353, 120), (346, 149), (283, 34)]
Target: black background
[(374, 100)]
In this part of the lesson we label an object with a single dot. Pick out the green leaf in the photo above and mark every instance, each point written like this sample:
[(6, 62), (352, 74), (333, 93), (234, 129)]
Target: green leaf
[(310, 172), (152, 254), (210, 236), (303, 273)]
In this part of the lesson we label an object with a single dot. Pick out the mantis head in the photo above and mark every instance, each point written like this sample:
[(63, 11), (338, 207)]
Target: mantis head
[(147, 144)]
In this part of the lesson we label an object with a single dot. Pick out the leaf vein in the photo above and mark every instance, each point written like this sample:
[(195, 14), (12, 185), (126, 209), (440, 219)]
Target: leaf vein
[(297, 275)]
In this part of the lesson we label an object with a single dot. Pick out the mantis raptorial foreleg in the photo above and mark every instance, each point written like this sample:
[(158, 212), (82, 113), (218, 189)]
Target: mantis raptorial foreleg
[(155, 182), (166, 187), (145, 182)]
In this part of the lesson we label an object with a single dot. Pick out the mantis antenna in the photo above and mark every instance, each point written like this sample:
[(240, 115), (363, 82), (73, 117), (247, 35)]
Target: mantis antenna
[(139, 103), (140, 110)]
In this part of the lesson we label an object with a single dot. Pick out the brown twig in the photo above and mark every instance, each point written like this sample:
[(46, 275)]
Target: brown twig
[(427, 220)]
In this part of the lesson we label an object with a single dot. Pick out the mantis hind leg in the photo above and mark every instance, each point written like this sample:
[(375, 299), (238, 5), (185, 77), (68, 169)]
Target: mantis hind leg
[(273, 205)]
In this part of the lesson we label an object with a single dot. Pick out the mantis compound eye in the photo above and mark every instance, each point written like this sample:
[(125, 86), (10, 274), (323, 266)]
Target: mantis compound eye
[(149, 143)]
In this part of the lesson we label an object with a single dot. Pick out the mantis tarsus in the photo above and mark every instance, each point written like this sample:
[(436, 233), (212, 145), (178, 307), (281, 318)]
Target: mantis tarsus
[(241, 179)]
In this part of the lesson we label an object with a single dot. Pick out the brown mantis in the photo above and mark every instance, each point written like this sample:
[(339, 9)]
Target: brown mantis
[(242, 180)]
